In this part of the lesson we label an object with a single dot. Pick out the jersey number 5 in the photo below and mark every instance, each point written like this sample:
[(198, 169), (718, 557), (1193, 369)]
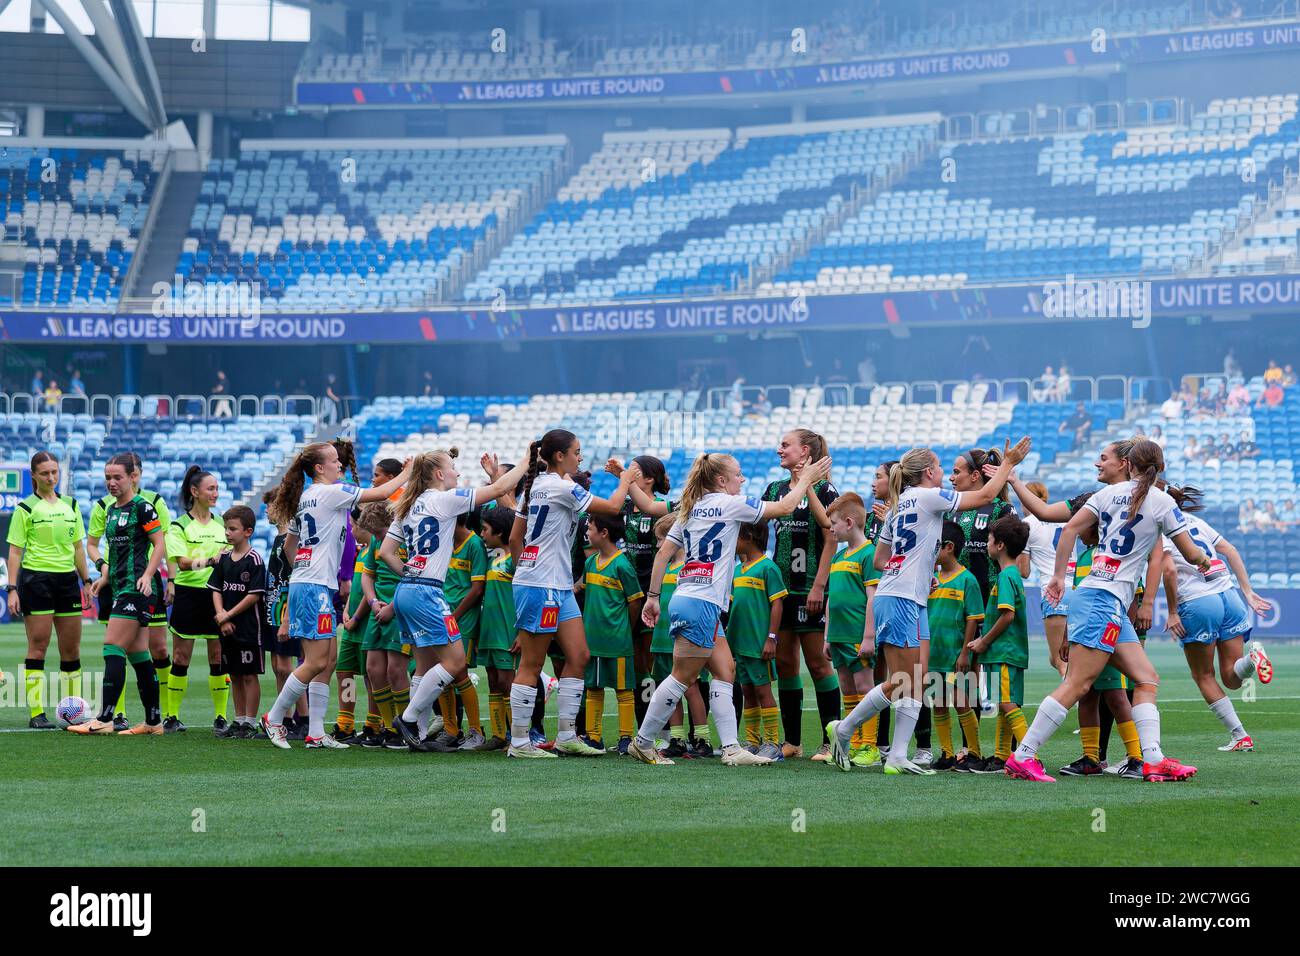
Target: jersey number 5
[(904, 537)]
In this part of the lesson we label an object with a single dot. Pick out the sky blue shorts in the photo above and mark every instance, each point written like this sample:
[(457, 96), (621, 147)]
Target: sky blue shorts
[(542, 610), (1215, 617), (1055, 610), (1237, 619), (700, 622), (900, 622), (311, 612), (423, 615), (1097, 620)]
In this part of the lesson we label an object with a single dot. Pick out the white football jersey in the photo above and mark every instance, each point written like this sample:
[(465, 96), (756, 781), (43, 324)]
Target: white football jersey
[(1192, 581), (1120, 558), (428, 529), (546, 560), (1043, 538), (321, 525), (912, 534), (707, 538)]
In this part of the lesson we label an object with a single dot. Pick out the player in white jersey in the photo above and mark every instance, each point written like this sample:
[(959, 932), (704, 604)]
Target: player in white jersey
[(541, 543), (709, 517), (1043, 536), (418, 547), (905, 554), (1130, 517), (1208, 615), (314, 547)]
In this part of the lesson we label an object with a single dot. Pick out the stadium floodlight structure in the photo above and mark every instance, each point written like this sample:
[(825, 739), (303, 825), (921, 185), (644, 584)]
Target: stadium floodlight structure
[(128, 69)]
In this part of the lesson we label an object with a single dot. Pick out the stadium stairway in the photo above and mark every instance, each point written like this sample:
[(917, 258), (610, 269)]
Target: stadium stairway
[(170, 228)]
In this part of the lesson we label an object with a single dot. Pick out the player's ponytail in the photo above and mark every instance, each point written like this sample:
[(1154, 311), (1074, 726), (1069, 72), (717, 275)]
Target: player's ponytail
[(815, 443), (534, 468), (424, 477), (193, 479), (908, 472), (653, 469), (541, 454), (703, 479), (1145, 462), (284, 504), (1188, 498), (347, 453)]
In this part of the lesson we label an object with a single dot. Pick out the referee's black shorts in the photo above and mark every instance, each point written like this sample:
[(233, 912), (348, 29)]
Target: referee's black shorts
[(49, 592), (193, 615)]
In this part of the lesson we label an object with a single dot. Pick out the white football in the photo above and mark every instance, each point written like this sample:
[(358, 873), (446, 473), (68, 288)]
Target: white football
[(72, 710)]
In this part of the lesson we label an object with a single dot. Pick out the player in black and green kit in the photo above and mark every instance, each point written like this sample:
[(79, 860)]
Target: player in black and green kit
[(351, 660), (850, 626), (48, 581), (955, 613), (803, 551), (158, 625), (136, 546), (758, 597), (496, 628), (613, 602), (1003, 650)]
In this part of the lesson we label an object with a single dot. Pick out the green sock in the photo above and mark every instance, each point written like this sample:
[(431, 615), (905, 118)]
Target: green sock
[(678, 732), (219, 688), (120, 709)]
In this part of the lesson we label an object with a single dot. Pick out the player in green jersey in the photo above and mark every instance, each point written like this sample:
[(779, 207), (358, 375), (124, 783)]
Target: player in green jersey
[(875, 523), (850, 625), (613, 602), (351, 659), (463, 589), (758, 598), (195, 542), (1003, 649), (136, 545), (158, 624), (955, 613), (387, 659), (496, 630), (48, 583)]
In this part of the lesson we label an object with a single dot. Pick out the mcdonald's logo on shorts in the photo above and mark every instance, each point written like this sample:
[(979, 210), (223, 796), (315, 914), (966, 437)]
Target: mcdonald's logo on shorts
[(1109, 635), (550, 617)]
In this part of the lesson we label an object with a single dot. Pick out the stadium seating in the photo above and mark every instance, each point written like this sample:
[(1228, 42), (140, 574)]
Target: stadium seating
[(1143, 200), (240, 452), (79, 213), (313, 237), (689, 212)]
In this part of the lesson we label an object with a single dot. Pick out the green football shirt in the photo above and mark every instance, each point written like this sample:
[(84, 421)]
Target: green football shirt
[(1012, 645), (48, 532), (99, 512), (846, 591), (496, 629), (357, 594), (661, 642), (385, 579), (127, 528), (1082, 565), (953, 601), (188, 537), (753, 590), (469, 563), (611, 585)]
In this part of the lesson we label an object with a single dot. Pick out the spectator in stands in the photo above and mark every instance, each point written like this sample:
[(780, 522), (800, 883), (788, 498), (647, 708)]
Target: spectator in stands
[(1288, 376), (1079, 424), (1246, 516), (1206, 405), (53, 394), (738, 397), (1274, 520), (1193, 451), (1247, 448), (38, 384), (761, 407), (1171, 408), (1063, 385), (1288, 514), (1046, 391), (430, 389), (1238, 398), (331, 403), (1272, 396), (867, 372), (1157, 435), (1231, 367), (1273, 373), (76, 386), (223, 407)]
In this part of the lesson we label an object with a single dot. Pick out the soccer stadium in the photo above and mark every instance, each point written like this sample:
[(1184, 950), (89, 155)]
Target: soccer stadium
[(911, 388)]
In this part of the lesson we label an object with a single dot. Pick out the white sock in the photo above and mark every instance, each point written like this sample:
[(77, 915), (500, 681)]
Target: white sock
[(422, 718), (570, 693), (286, 699), (722, 706), (1049, 717), (1227, 714), (870, 705), (907, 711), (318, 701), (435, 681), (1244, 667), (523, 698), (662, 704), (1147, 719)]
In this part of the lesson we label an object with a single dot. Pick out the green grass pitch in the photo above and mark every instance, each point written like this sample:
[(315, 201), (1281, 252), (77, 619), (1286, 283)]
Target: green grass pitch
[(200, 801)]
